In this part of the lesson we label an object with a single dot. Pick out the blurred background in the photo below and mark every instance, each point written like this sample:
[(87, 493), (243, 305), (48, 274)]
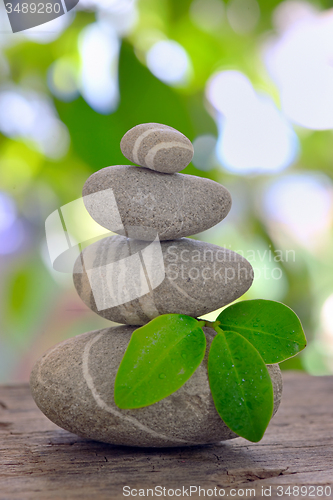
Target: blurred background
[(249, 82)]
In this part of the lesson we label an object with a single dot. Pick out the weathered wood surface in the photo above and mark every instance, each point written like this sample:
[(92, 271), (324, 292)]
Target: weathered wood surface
[(40, 461)]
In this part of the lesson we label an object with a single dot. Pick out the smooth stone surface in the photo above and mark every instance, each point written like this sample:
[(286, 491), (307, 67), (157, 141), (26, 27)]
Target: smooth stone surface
[(73, 385), (158, 147), (136, 202), (185, 276)]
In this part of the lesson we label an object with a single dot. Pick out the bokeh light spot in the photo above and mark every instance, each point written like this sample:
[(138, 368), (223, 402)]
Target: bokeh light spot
[(63, 80), (208, 15), (7, 211), (20, 117), (254, 136), (99, 50), (204, 152), (290, 12), (169, 62), (12, 238), (327, 320), (243, 15), (300, 61), (303, 204)]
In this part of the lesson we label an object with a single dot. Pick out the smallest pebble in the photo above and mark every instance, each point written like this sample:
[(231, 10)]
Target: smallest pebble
[(157, 147)]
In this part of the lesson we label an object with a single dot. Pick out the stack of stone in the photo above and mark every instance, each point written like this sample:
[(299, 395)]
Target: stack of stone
[(148, 268)]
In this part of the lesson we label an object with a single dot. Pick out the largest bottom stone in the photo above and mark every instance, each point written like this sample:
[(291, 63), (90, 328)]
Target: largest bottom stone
[(73, 386)]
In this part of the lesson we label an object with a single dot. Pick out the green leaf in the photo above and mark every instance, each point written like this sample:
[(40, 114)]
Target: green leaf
[(271, 327), (161, 356), (240, 384)]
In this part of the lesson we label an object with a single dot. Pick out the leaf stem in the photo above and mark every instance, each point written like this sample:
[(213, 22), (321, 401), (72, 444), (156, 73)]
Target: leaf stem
[(209, 324)]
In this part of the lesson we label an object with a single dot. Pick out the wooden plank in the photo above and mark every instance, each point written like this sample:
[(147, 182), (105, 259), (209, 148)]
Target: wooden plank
[(40, 461)]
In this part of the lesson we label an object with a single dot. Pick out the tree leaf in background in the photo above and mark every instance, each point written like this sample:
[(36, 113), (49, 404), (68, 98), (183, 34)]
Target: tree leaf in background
[(161, 356), (271, 327), (29, 295), (240, 384), (18, 292), (96, 137)]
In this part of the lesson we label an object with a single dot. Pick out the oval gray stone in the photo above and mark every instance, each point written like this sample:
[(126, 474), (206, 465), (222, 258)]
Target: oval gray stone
[(73, 385), (130, 281), (158, 147), (139, 203)]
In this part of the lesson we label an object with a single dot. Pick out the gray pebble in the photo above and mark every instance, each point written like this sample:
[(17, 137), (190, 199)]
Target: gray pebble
[(132, 282), (158, 147), (73, 385), (139, 203)]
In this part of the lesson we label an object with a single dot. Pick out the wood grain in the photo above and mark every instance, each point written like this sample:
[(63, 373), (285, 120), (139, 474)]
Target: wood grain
[(40, 461)]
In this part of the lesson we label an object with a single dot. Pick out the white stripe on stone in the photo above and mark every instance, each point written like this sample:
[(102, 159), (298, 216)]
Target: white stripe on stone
[(138, 142), (180, 290), (131, 317), (148, 306), (44, 359), (90, 383), (150, 156)]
